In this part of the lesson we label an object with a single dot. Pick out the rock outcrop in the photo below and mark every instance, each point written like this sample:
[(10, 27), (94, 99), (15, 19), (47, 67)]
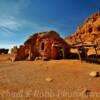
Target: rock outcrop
[(46, 45), (88, 32)]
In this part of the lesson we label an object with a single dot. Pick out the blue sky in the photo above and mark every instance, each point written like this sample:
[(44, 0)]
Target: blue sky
[(21, 18)]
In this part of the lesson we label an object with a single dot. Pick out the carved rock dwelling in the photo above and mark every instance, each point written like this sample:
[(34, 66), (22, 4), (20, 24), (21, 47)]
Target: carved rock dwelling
[(43, 45)]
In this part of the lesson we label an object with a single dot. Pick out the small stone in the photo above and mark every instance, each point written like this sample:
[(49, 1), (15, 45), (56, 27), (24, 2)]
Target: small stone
[(94, 74), (49, 79)]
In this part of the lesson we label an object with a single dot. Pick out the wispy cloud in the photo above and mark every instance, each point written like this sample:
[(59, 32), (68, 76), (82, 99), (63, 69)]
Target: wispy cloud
[(9, 23), (8, 26), (10, 14)]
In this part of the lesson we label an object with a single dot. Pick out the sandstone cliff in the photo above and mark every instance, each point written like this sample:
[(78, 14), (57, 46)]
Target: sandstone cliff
[(89, 31)]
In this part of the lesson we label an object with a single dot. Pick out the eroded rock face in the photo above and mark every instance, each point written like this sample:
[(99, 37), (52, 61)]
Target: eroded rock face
[(88, 32), (48, 45)]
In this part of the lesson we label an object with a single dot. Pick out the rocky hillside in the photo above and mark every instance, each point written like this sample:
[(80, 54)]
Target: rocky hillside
[(89, 31)]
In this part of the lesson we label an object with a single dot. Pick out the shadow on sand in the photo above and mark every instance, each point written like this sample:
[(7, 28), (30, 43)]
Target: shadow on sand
[(93, 59), (90, 59)]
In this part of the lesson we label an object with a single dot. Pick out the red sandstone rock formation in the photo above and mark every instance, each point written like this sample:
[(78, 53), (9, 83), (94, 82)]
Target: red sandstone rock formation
[(47, 45), (88, 32)]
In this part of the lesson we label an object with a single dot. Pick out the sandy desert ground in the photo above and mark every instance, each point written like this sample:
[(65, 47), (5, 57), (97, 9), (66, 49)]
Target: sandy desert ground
[(48, 80)]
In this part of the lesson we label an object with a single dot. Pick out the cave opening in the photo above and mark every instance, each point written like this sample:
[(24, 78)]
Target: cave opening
[(98, 28), (90, 30), (42, 46)]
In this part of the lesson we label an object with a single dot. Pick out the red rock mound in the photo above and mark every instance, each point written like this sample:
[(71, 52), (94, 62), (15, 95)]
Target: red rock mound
[(45, 45)]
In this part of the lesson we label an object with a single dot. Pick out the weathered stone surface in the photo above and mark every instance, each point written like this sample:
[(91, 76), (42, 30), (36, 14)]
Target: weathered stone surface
[(48, 45), (88, 32)]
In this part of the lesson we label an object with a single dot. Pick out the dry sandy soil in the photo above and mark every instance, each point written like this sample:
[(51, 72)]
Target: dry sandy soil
[(68, 80)]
